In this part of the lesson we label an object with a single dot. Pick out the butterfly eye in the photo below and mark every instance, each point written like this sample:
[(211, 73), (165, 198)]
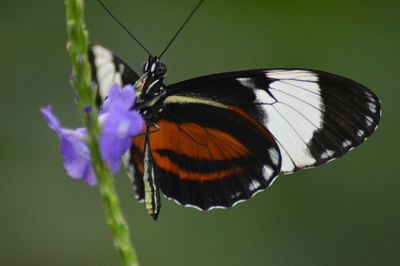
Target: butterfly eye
[(161, 70)]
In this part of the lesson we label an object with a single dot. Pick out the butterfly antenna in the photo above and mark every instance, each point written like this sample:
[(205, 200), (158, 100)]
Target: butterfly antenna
[(123, 26), (183, 25)]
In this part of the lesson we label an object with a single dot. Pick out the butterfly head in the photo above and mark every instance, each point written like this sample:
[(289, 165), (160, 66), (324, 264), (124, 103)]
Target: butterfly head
[(154, 68), (150, 88)]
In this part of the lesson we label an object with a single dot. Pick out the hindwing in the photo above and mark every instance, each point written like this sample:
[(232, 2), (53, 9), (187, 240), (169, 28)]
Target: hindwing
[(209, 155)]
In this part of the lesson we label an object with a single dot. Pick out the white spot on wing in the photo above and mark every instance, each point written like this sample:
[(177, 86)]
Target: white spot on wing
[(346, 143), (267, 172), (368, 120), (372, 107), (247, 82), (274, 155), (370, 97), (254, 185), (327, 154)]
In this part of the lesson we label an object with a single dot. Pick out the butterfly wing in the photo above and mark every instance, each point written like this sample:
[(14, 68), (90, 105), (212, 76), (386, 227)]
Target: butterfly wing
[(208, 155), (314, 116), (108, 69)]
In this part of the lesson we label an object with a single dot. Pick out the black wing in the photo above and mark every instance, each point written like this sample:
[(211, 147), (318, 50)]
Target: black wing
[(314, 116)]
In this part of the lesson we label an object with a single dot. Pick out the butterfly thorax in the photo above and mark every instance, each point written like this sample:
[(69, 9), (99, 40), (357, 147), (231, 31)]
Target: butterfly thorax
[(150, 89)]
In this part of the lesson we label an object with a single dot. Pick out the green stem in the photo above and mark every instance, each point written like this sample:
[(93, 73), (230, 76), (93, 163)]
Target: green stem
[(77, 50)]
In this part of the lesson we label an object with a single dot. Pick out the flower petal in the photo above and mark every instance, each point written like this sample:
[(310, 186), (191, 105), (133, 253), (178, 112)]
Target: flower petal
[(116, 135), (119, 98), (119, 124), (51, 119), (76, 154), (89, 176)]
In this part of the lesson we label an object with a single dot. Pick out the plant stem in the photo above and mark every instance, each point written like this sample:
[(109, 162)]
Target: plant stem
[(81, 79)]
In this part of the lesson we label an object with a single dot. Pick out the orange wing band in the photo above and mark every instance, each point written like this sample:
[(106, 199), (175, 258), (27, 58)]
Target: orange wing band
[(195, 142)]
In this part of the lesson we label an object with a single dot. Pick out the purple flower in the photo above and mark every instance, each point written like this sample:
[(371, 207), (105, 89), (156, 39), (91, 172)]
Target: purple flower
[(117, 97), (121, 123), (73, 148)]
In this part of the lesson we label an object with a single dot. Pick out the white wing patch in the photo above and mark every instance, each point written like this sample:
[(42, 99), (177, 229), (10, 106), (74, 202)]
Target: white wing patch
[(107, 73), (308, 128), (294, 115)]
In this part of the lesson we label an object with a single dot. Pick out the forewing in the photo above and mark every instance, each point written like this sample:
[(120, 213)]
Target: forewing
[(313, 116), (108, 69)]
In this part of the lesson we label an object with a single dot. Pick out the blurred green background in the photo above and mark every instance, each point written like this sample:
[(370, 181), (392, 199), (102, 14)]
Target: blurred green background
[(344, 213)]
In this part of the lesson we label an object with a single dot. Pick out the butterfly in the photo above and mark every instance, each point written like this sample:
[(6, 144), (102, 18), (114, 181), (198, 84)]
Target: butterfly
[(214, 141)]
